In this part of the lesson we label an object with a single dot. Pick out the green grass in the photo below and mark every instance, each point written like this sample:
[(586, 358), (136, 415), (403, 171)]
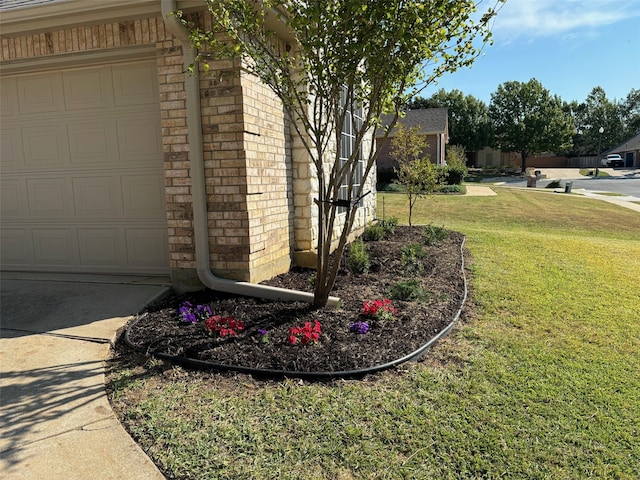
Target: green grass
[(611, 194), (541, 382), (588, 172)]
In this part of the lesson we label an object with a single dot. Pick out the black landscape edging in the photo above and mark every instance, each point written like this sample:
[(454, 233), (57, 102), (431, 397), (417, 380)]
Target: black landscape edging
[(263, 372)]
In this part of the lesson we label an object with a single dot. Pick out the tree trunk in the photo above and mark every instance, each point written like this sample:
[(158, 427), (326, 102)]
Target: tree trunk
[(524, 156)]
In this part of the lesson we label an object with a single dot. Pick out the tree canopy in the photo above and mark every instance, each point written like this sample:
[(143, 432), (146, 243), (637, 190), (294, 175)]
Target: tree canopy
[(327, 59), (529, 120), (469, 123)]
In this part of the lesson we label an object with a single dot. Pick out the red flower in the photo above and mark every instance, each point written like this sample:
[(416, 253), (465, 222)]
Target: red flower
[(307, 333), (224, 326)]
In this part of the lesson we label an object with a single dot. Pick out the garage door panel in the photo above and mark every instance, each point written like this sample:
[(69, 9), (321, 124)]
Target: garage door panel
[(54, 246), (11, 156), (87, 88), (40, 93), (13, 198), (101, 247), (50, 197), (139, 138), (16, 248), (97, 197), (45, 146), (82, 171), (146, 247), (143, 196), (8, 97), (93, 142), (135, 85)]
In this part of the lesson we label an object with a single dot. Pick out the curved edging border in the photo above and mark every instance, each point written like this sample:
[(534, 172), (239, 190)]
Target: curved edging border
[(263, 372)]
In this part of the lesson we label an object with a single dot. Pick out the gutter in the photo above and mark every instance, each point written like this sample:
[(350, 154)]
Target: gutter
[(198, 191)]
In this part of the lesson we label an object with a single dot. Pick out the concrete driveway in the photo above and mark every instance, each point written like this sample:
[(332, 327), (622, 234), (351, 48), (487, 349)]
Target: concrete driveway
[(55, 419)]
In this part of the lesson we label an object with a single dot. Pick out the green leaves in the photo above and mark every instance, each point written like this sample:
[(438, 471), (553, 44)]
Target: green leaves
[(528, 119)]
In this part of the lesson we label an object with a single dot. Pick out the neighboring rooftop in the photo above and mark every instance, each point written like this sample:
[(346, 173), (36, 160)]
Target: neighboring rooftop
[(430, 120), (627, 146)]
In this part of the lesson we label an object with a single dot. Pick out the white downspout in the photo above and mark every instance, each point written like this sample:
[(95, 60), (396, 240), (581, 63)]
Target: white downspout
[(198, 192)]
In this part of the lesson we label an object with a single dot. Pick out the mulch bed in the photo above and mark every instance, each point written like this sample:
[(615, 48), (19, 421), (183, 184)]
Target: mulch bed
[(160, 328)]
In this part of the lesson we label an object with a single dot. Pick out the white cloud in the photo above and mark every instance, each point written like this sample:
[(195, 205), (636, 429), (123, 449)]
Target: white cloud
[(548, 18)]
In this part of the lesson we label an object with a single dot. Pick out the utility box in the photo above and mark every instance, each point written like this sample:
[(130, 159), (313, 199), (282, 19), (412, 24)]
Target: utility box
[(567, 187), (531, 177)]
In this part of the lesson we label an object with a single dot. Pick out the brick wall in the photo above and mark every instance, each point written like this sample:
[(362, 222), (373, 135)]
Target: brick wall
[(384, 158)]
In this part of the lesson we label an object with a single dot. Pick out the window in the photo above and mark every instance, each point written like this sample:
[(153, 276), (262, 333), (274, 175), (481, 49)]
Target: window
[(352, 125)]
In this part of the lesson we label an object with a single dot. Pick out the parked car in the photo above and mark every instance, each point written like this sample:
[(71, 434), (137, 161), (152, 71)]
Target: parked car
[(613, 160)]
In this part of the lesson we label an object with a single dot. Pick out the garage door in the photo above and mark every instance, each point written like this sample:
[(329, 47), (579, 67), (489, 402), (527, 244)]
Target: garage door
[(82, 186)]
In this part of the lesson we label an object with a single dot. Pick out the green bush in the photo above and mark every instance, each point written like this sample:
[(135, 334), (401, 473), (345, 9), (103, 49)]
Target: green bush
[(395, 187), (454, 174), (452, 189), (389, 225), (373, 232), (358, 259), (412, 256), (456, 168), (407, 290), (432, 235), (554, 184)]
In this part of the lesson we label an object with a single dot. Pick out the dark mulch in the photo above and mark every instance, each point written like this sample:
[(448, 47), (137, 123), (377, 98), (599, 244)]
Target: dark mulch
[(160, 328)]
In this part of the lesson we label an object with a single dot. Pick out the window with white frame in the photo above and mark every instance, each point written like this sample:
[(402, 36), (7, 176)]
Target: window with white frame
[(352, 124)]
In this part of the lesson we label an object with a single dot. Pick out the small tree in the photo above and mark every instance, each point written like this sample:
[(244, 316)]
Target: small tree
[(415, 171), (326, 60)]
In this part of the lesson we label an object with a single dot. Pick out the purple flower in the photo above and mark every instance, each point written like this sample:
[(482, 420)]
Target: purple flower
[(203, 312), (262, 331), (191, 315), (360, 328)]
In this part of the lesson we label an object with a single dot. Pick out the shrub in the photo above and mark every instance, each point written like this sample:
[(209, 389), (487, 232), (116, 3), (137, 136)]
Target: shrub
[(412, 256), (389, 225), (454, 174), (432, 235), (407, 290), (452, 189), (554, 184), (394, 187), (358, 259), (373, 232), (456, 168)]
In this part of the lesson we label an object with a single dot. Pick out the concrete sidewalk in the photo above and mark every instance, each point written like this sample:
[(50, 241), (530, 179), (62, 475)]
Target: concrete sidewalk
[(56, 421)]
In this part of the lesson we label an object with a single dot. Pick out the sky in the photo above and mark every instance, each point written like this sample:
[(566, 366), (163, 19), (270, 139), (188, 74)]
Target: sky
[(570, 46)]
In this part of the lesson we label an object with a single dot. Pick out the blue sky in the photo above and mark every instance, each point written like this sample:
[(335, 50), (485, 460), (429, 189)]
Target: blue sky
[(570, 46)]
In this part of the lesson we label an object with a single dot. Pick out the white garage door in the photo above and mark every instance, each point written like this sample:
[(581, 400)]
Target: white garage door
[(82, 186)]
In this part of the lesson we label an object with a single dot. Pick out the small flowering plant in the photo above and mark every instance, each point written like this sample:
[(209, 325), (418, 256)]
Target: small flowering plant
[(359, 327), (379, 309), (263, 335), (308, 333), (224, 326), (190, 314)]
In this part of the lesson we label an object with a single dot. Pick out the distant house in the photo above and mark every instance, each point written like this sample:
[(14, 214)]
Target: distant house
[(114, 160), (433, 123), (629, 150)]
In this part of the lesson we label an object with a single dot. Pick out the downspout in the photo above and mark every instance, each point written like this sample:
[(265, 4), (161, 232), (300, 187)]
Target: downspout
[(198, 191)]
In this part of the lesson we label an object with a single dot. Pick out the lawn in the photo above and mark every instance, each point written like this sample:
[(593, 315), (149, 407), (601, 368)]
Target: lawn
[(542, 379)]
